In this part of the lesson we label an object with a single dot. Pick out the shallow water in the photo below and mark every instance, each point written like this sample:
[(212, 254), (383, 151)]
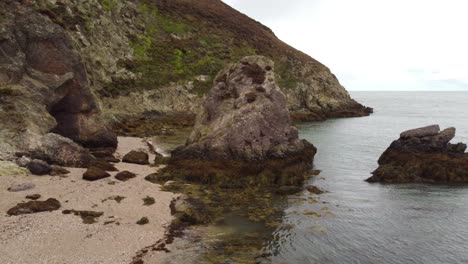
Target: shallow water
[(374, 223), (358, 222)]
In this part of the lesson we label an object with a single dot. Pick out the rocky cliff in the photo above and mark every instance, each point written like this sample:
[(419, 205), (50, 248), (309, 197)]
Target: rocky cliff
[(160, 57)]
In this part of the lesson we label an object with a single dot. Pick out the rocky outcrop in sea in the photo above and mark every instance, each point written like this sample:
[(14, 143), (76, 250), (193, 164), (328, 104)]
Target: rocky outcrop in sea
[(423, 155), (244, 128)]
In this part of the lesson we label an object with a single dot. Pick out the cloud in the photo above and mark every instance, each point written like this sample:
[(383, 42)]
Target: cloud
[(374, 42)]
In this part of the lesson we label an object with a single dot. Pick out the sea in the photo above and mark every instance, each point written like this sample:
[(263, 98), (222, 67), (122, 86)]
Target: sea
[(356, 222)]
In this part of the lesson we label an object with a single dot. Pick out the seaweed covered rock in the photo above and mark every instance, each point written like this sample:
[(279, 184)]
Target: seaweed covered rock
[(423, 155), (32, 207), (244, 128)]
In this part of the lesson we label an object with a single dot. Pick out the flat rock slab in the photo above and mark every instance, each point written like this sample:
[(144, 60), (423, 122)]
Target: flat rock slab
[(22, 187), (31, 207), (421, 132)]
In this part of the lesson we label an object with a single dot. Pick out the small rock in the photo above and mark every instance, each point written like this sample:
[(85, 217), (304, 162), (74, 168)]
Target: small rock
[(160, 159), (57, 170), (22, 187), (125, 176), (94, 174), (158, 178), (33, 196), (313, 189), (38, 167), (88, 217), (136, 157), (148, 201), (31, 207), (143, 221)]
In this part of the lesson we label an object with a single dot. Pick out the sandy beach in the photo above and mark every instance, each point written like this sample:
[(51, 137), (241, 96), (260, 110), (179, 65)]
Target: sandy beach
[(54, 237)]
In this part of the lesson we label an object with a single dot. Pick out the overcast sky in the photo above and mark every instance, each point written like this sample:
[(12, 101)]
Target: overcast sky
[(375, 44)]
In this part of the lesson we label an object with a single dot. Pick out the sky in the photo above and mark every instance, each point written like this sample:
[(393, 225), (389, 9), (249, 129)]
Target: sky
[(375, 44)]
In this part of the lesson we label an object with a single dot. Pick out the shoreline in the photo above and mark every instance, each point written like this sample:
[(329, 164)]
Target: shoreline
[(115, 237)]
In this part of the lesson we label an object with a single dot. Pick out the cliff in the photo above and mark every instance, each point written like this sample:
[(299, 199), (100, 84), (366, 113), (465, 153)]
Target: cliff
[(160, 57)]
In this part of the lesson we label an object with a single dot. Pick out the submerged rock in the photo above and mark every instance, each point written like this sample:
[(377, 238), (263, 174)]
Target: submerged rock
[(31, 207), (136, 157), (423, 155), (244, 128), (314, 189)]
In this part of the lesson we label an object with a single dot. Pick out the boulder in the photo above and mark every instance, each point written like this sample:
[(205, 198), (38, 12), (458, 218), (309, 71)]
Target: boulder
[(244, 128), (94, 174), (31, 207), (420, 155), (38, 167), (136, 157)]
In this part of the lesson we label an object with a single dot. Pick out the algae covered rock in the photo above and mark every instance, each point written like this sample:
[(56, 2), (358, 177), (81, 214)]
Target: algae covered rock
[(244, 128), (423, 155), (31, 207), (8, 168)]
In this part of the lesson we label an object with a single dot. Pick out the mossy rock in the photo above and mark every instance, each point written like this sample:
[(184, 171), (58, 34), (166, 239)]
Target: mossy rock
[(9, 168)]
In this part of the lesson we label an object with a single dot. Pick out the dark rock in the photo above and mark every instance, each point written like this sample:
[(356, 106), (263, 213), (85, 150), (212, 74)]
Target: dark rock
[(159, 159), (143, 221), (137, 157), (31, 207), (427, 158), (38, 167), (33, 196), (57, 170), (103, 165), (314, 189), (125, 176), (148, 201), (159, 178), (22, 187), (94, 174)]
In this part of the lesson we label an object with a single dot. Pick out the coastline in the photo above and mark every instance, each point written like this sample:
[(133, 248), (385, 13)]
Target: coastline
[(54, 237)]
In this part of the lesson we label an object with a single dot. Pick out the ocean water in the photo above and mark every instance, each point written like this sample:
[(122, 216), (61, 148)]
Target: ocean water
[(358, 222)]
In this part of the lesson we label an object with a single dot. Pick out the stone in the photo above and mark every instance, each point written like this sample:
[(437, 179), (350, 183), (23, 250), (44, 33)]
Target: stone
[(22, 187), (314, 189), (136, 157), (288, 190), (125, 176), (421, 132), (88, 217), (31, 207), (159, 159), (143, 221), (39, 167), (33, 196), (430, 158), (94, 174)]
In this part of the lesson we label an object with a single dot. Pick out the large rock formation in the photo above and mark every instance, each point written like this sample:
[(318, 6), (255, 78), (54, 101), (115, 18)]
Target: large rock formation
[(158, 56), (423, 155), (245, 122), (44, 88)]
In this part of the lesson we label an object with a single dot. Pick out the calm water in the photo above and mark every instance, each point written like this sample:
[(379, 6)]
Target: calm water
[(374, 223)]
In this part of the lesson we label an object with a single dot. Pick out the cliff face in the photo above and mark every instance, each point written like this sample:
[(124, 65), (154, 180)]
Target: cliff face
[(159, 56)]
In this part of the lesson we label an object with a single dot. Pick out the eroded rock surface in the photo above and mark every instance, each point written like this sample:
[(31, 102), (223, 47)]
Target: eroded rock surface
[(423, 155), (244, 128), (44, 88)]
